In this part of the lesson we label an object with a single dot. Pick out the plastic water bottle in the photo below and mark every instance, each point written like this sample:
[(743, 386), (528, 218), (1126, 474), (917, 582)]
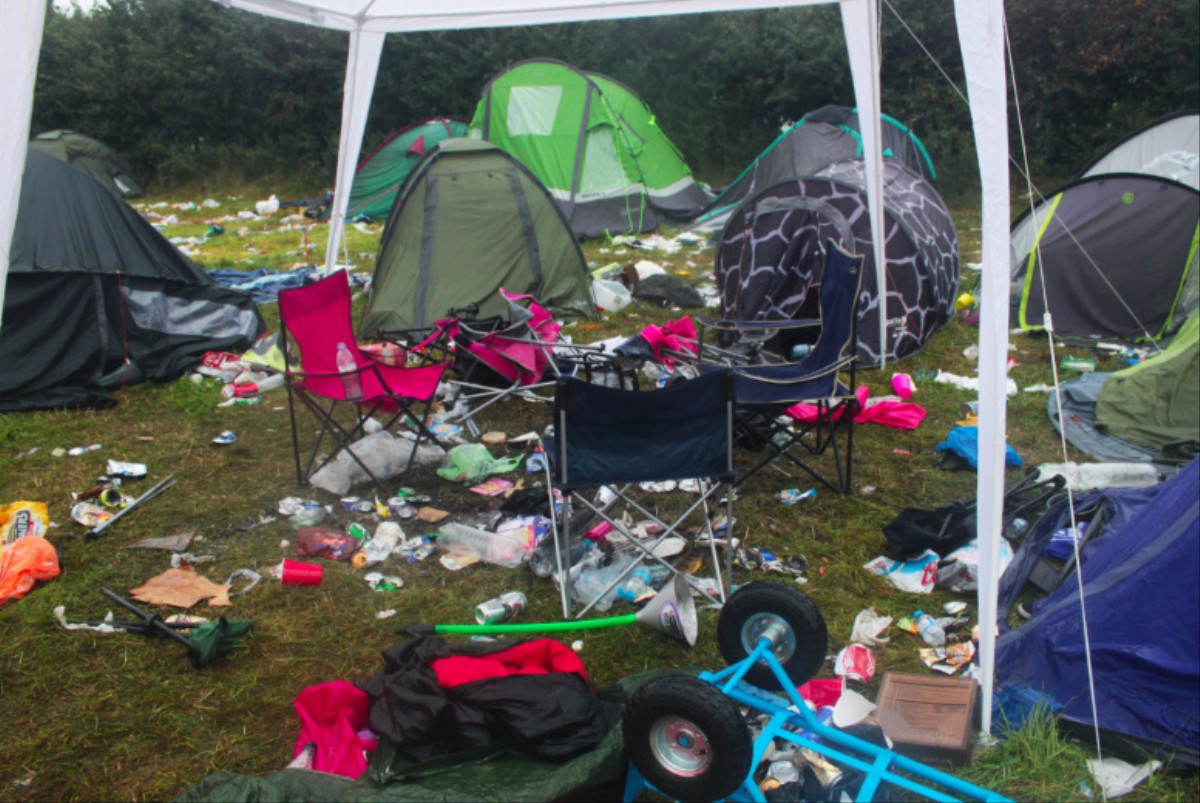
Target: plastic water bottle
[(929, 629), (637, 586), (348, 368)]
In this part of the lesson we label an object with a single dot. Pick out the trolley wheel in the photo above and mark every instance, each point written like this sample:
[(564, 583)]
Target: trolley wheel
[(687, 738), (778, 612)]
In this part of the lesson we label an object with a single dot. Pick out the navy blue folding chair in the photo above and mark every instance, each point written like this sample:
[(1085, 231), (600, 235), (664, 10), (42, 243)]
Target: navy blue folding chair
[(764, 392), (613, 438)]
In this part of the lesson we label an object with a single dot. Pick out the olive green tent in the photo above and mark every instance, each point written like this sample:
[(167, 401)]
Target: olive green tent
[(92, 157), (1156, 403), (593, 142), (472, 220)]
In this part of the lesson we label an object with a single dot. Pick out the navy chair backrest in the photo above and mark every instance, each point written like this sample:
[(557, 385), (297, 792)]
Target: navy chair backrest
[(607, 435), (840, 287)]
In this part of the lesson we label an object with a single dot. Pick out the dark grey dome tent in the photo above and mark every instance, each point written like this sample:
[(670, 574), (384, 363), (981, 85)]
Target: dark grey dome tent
[(1113, 254), (826, 135), (770, 257), (97, 299), (469, 221), (92, 157)]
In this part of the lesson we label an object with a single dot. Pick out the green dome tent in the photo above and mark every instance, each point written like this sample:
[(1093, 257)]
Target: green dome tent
[(469, 221), (92, 157), (383, 171), (593, 143)]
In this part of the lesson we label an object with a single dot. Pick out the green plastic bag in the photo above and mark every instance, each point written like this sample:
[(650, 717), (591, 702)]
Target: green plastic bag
[(472, 462)]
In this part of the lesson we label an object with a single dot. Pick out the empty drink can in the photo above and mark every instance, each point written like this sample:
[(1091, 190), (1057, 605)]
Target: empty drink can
[(500, 609)]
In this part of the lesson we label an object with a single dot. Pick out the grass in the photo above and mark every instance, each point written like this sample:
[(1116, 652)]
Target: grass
[(125, 717)]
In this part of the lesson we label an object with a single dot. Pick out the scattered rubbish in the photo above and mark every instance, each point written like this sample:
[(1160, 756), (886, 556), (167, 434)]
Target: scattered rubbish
[(388, 614), (253, 578), (267, 207), (19, 519), (297, 573), (181, 588), (181, 560), (431, 515), (81, 450), (205, 641), (117, 468), (917, 576), (90, 515), (493, 438), (959, 569), (851, 708), (577, 645), (415, 550), (901, 451), (472, 463), (1078, 364), (961, 447), (1117, 777), (291, 505), (387, 538), (792, 496), (26, 561), (903, 386), (325, 542), (954, 607), (225, 438), (867, 490), (948, 659), (869, 626), (503, 608), (492, 487), (383, 582), (1094, 476), (1040, 388), (98, 529), (855, 662), (356, 504), (502, 549), (963, 382), (928, 629)]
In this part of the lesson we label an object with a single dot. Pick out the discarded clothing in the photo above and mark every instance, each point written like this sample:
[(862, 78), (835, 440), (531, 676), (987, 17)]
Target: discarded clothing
[(333, 717), (884, 411), (964, 442), (533, 695), (263, 284)]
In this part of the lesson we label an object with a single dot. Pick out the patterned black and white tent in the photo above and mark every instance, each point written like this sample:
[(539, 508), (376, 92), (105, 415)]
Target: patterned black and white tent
[(770, 257)]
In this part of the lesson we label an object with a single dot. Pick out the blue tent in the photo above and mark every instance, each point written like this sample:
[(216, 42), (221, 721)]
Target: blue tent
[(1141, 572)]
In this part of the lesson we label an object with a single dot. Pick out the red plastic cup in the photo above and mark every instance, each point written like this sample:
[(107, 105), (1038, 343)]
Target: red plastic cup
[(295, 573)]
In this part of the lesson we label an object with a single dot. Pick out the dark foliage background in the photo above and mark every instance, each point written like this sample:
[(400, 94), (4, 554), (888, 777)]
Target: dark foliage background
[(193, 92)]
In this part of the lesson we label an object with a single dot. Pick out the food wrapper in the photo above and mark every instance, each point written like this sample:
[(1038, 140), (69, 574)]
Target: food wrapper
[(948, 659), (18, 519)]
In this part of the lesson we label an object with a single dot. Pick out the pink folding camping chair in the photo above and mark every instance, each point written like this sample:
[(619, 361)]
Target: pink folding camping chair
[(519, 357), (318, 319)]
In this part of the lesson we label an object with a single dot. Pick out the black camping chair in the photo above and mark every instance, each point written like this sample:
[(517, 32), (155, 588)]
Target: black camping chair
[(616, 438), (765, 391)]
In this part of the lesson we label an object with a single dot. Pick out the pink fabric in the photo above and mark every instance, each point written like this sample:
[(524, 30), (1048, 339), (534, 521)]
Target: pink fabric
[(898, 415), (678, 336), (509, 356), (332, 715), (823, 692)]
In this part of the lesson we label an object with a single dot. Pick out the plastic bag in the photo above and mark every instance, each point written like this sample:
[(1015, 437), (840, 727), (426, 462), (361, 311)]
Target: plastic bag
[(24, 562), (473, 463), (325, 542)]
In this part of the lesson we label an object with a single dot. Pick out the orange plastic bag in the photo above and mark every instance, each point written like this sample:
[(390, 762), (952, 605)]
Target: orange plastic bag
[(23, 563)]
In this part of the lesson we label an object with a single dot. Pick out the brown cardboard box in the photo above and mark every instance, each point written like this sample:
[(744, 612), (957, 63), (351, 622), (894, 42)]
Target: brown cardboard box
[(933, 719)]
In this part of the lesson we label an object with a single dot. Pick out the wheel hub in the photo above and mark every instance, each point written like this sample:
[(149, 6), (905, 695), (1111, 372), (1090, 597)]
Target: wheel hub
[(774, 629), (680, 746)]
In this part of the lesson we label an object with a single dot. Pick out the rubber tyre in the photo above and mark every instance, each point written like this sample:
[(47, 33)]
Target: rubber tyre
[(766, 601), (666, 710)]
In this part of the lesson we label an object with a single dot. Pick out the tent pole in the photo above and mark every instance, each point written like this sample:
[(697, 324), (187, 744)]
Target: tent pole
[(861, 17), (362, 66), (23, 38), (981, 37)]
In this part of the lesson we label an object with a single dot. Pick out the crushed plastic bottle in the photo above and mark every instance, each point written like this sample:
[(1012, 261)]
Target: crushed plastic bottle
[(592, 579), (642, 583), (929, 629)]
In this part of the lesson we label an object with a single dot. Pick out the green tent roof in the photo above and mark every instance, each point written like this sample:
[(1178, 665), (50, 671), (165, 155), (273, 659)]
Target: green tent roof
[(383, 171), (594, 143)]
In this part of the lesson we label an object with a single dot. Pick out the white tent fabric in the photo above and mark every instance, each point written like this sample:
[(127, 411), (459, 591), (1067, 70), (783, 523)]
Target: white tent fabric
[(20, 39), (980, 28)]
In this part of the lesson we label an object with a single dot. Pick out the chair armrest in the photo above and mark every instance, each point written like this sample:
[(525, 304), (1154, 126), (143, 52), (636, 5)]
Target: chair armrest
[(740, 325)]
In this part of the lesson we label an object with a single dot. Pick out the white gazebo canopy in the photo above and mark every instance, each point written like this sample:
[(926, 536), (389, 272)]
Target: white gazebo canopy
[(980, 26)]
